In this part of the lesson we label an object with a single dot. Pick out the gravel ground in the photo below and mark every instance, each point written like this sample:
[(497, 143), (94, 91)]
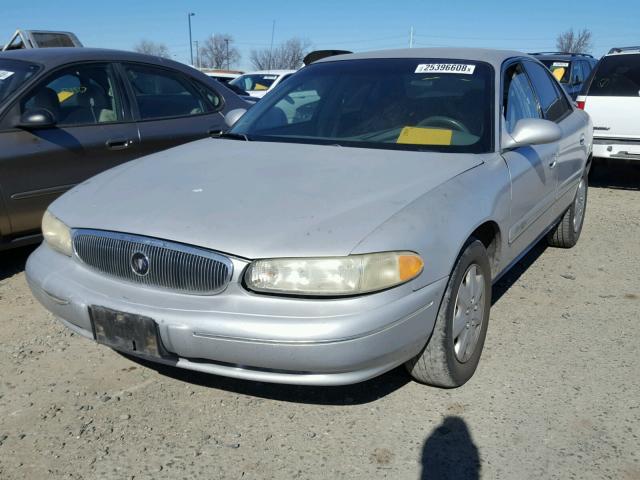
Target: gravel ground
[(556, 395)]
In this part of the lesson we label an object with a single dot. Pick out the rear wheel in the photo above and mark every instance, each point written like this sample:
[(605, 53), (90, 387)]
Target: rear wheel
[(566, 233), (452, 354)]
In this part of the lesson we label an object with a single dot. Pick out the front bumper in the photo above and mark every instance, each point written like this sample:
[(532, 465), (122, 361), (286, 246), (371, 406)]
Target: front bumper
[(616, 148), (245, 335)]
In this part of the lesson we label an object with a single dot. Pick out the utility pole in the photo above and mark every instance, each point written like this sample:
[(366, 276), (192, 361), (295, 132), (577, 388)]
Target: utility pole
[(189, 15), (273, 31), (197, 53), (411, 37), (226, 41)]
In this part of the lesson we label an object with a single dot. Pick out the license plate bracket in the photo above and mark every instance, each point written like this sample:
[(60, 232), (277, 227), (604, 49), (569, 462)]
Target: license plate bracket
[(126, 332)]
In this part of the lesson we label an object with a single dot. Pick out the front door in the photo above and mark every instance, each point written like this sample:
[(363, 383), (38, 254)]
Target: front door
[(532, 168), (92, 133), (572, 147)]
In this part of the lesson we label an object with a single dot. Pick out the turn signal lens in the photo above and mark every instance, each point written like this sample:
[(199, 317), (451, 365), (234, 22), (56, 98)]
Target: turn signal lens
[(333, 276), (409, 266)]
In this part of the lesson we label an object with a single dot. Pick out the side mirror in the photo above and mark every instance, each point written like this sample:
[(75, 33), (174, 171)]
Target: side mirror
[(39, 118), (233, 116), (531, 131)]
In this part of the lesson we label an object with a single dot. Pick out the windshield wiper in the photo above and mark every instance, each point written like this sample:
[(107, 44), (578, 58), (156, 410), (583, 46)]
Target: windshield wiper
[(233, 136)]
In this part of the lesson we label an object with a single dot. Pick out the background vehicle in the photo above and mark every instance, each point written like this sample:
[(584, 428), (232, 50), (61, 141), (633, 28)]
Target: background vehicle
[(223, 76), (257, 84), (570, 69), (612, 98), (41, 39), (68, 114), (361, 232)]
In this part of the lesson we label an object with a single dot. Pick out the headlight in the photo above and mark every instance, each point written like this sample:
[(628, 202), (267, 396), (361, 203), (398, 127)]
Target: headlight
[(56, 234), (333, 276)]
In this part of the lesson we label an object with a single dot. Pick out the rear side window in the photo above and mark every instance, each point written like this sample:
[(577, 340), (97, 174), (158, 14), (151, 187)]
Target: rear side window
[(553, 103), (587, 66), (162, 93), (617, 76), (579, 73), (52, 39)]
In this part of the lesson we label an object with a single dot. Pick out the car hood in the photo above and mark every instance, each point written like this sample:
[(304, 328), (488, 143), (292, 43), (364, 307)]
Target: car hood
[(259, 199)]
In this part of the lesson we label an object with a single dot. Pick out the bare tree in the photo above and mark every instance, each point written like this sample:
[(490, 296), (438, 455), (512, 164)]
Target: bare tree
[(574, 42), (152, 48), (218, 51), (288, 55)]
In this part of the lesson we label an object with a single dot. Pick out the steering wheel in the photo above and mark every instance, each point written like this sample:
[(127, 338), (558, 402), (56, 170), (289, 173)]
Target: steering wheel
[(442, 121)]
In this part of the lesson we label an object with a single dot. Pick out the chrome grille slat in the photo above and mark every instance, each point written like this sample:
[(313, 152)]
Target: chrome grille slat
[(172, 266)]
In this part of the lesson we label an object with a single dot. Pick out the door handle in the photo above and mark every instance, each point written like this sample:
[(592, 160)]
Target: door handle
[(118, 143), (582, 140), (554, 161), (214, 132)]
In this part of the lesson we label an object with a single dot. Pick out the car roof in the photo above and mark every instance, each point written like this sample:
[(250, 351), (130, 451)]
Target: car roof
[(494, 57), (269, 72), (562, 56), (51, 57), (623, 51)]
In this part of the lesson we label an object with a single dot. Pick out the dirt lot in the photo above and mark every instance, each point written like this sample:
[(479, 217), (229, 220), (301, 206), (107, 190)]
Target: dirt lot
[(557, 393)]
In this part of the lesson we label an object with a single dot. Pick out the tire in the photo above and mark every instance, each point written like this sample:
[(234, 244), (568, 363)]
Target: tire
[(442, 363), (567, 232)]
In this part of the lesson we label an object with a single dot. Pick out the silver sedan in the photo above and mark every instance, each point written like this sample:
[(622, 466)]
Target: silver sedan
[(352, 221)]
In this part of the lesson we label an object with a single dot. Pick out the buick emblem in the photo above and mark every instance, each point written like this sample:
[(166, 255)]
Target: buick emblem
[(140, 264)]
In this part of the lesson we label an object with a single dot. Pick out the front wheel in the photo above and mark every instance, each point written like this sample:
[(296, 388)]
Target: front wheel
[(452, 354), (566, 233)]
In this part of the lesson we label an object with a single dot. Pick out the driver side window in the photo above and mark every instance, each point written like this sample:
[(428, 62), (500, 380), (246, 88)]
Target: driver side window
[(520, 100), (79, 95)]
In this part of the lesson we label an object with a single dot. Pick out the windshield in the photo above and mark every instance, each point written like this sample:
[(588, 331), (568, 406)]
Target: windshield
[(417, 104), (559, 68), (617, 76), (255, 82), (13, 74)]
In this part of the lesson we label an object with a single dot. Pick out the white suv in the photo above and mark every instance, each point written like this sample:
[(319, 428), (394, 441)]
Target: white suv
[(612, 98)]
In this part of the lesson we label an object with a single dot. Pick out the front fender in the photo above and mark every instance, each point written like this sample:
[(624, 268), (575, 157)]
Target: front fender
[(437, 224)]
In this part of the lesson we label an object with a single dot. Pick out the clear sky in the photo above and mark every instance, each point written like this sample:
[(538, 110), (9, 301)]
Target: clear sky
[(351, 25)]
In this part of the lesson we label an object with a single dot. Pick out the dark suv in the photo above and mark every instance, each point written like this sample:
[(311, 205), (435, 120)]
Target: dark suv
[(570, 69), (67, 114)]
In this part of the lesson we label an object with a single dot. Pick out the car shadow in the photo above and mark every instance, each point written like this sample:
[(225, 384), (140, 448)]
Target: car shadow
[(618, 174), (357, 394), (13, 261), (449, 453)]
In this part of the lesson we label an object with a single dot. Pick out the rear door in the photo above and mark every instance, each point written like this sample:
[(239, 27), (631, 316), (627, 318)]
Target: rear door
[(171, 108), (613, 97), (93, 132)]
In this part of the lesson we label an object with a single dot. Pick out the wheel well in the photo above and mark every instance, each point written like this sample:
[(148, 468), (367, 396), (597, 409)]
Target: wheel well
[(489, 234)]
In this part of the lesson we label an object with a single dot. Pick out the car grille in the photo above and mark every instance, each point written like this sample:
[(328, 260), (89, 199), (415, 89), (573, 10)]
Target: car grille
[(152, 262)]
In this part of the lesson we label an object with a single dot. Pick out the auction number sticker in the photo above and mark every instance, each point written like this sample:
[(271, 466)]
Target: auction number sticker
[(4, 74), (560, 64), (464, 68)]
